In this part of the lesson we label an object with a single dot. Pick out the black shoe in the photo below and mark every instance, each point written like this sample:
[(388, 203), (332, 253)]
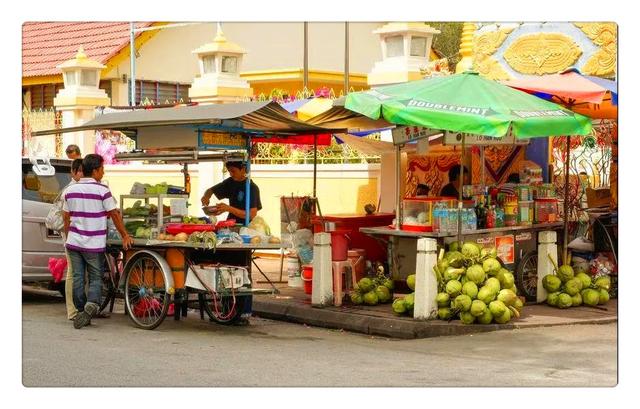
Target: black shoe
[(241, 322), (84, 318)]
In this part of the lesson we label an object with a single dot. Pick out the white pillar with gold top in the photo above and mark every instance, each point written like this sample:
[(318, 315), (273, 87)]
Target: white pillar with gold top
[(79, 98), (219, 81)]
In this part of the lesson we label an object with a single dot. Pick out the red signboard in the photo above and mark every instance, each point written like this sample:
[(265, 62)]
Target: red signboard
[(506, 248)]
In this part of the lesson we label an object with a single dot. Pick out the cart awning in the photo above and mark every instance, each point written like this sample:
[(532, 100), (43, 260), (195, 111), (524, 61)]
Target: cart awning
[(267, 118), (355, 123)]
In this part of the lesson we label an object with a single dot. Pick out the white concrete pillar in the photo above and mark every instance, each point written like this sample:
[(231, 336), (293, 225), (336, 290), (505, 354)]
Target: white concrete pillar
[(425, 306), (322, 284), (547, 246)]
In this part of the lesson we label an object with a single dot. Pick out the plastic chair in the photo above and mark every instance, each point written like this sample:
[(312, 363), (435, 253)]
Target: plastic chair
[(338, 269)]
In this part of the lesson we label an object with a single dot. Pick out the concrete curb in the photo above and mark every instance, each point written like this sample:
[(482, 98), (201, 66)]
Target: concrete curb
[(400, 327)]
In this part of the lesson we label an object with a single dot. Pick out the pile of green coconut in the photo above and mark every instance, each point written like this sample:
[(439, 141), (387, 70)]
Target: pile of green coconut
[(474, 287), (373, 291), (568, 288)]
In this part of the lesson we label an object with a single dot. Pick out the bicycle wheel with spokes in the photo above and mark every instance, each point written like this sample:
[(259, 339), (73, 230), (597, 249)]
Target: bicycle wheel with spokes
[(222, 310), (146, 297), (527, 275), (111, 280)]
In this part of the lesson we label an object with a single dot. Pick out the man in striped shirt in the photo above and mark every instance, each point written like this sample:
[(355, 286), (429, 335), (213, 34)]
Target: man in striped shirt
[(86, 207)]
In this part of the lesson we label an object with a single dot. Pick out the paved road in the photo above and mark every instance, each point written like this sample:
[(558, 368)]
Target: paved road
[(269, 353)]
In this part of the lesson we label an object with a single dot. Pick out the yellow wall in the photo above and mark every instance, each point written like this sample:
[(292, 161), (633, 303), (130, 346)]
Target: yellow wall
[(335, 195)]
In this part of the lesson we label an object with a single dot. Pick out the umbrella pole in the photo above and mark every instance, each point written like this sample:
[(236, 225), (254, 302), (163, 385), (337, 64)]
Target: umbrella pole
[(566, 201), (461, 179), (398, 187), (315, 163)]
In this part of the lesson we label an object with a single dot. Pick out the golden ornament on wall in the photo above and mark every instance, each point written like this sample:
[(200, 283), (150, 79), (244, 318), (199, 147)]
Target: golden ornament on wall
[(490, 68), (489, 42), (542, 53), (603, 62)]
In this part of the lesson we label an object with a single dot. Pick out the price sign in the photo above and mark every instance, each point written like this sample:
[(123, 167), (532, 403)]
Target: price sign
[(455, 138), (404, 134), (223, 139)]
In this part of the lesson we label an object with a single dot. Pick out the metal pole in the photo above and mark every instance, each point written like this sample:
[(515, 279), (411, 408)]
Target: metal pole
[(132, 58), (482, 166), (566, 202), (315, 163), (305, 72), (247, 202), (398, 221), (346, 58), (460, 181)]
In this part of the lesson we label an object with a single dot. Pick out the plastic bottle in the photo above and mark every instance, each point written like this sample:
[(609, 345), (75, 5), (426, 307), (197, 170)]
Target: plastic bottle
[(473, 223), (436, 218)]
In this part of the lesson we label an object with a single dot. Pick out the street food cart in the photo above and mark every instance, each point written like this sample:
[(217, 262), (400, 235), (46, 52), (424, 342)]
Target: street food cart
[(157, 274)]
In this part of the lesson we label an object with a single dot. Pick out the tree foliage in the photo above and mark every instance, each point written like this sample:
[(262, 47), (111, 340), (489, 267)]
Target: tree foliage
[(448, 41)]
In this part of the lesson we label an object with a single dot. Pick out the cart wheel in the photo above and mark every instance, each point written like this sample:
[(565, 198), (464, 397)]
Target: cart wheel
[(146, 298), (224, 307), (110, 280), (527, 275)]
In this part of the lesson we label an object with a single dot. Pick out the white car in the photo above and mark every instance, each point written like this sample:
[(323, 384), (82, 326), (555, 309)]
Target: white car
[(42, 181)]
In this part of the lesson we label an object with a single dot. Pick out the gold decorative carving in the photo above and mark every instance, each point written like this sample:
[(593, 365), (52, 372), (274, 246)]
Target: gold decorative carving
[(542, 53), (490, 68), (487, 43), (603, 62)]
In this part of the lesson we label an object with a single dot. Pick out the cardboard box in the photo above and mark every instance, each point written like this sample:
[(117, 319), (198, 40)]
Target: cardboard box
[(599, 197)]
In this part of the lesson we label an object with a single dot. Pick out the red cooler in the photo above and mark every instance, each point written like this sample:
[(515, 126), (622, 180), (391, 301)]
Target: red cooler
[(352, 223)]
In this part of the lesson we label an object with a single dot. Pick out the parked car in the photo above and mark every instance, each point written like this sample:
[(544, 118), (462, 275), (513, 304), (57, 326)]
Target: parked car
[(42, 181)]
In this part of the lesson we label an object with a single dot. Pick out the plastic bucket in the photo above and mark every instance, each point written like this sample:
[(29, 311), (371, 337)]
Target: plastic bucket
[(293, 272), (307, 278), (339, 245)]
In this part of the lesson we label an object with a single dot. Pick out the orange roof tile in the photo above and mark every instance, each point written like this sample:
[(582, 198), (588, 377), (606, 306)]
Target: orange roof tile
[(47, 44)]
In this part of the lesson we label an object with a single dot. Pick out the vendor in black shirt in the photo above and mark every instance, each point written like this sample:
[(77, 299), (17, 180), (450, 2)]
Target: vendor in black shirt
[(234, 189), (451, 188)]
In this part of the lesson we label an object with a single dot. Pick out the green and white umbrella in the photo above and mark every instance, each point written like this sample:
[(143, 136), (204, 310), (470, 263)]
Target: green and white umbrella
[(468, 103), (471, 104)]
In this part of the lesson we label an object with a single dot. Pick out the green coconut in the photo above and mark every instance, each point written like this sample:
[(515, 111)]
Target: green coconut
[(471, 289), (576, 300), (409, 300), (488, 252), (514, 289), (504, 318), (551, 283), (604, 296), (491, 265), (399, 306), (462, 302), (453, 288), (454, 246), (455, 259), (476, 274), (486, 317), (464, 279), (518, 304), (584, 279), (573, 286), (565, 273), (590, 297), (497, 308), (470, 250), (452, 273), (443, 264), (493, 283), (486, 294), (552, 298), (445, 313), (467, 318), (388, 283), (365, 285), (564, 300), (477, 308), (356, 297), (411, 281), (507, 280), (508, 297), (443, 300), (383, 293), (500, 273), (371, 298), (603, 282)]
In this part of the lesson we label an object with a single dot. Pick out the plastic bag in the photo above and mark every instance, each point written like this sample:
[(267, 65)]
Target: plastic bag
[(260, 225), (57, 268)]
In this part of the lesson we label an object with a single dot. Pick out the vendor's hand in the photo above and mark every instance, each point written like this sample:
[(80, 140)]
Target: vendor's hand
[(221, 208), (204, 200), (127, 242)]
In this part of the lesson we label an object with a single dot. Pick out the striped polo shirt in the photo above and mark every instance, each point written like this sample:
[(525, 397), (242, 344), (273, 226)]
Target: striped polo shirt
[(88, 203)]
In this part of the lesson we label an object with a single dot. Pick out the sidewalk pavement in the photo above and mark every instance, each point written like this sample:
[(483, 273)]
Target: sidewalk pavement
[(292, 304)]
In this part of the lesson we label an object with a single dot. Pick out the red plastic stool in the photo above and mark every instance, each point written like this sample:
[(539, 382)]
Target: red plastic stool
[(338, 268)]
